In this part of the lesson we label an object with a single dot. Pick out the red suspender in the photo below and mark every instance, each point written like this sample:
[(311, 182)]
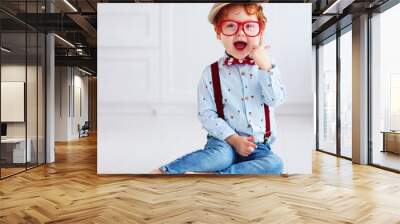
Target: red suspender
[(217, 89), (267, 122), (218, 99)]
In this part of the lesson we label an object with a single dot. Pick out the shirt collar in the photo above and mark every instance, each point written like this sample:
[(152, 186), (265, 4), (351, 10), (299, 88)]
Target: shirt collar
[(227, 55), (247, 68)]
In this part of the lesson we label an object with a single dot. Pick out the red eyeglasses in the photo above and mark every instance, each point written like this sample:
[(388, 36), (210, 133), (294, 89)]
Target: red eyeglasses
[(231, 27)]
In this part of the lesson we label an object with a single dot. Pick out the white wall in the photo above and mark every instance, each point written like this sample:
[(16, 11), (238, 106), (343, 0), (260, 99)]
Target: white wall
[(150, 58), (61, 103), (68, 82), (80, 109)]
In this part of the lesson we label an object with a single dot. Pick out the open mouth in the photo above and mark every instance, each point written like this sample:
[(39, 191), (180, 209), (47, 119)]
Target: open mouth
[(240, 45)]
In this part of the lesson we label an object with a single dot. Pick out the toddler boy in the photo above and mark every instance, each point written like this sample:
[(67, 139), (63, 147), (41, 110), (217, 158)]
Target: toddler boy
[(236, 97)]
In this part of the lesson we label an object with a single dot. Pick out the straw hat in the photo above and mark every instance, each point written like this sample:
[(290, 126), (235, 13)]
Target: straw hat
[(215, 9)]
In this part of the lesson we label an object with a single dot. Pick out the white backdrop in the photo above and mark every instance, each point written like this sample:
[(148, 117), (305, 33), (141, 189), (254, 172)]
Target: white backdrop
[(150, 59)]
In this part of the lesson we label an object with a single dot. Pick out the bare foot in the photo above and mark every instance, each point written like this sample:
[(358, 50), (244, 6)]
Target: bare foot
[(157, 171)]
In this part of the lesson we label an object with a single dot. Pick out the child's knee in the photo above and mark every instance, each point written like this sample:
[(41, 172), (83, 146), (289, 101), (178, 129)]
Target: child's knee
[(220, 153), (218, 145), (224, 156)]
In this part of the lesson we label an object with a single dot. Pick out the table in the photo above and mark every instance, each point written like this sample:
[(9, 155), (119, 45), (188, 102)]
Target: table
[(13, 150), (391, 141)]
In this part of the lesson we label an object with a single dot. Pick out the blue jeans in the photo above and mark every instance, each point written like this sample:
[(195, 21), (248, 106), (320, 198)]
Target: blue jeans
[(220, 157)]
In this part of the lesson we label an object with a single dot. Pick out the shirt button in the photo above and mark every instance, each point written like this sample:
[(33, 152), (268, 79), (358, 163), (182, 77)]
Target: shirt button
[(242, 73), (246, 97)]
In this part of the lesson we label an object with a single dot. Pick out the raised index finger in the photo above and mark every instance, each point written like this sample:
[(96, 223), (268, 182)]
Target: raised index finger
[(261, 40)]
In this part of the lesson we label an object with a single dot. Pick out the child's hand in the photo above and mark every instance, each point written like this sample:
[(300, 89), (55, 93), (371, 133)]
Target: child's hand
[(243, 145), (260, 55)]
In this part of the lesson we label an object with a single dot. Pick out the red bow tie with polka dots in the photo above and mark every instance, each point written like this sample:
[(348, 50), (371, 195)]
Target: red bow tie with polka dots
[(235, 61)]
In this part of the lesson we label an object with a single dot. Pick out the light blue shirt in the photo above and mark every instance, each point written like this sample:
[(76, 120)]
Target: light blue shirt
[(245, 88)]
